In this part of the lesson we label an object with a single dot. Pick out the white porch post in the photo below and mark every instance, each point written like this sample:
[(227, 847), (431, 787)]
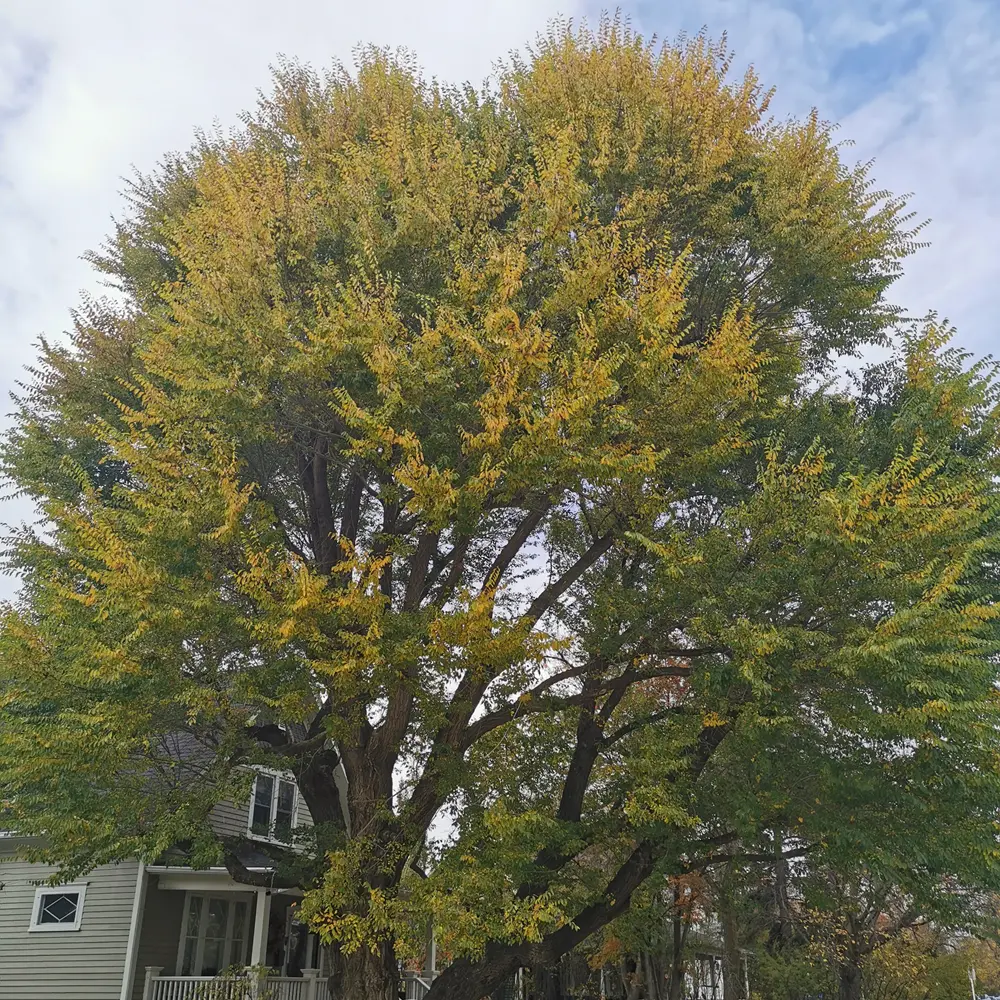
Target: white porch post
[(152, 971), (311, 976), (258, 950), (431, 957), (261, 918)]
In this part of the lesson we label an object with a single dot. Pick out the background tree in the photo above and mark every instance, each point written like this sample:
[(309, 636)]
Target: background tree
[(437, 426)]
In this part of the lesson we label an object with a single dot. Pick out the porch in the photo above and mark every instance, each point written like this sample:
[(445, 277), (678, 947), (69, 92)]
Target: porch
[(200, 934)]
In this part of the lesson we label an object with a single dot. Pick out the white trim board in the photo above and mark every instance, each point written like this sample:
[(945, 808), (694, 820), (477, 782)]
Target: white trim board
[(134, 932)]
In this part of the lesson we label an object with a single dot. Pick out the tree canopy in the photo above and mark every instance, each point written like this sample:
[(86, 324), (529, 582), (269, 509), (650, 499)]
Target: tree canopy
[(488, 444)]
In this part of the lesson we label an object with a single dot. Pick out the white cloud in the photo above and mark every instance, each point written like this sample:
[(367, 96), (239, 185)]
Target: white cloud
[(935, 132), (914, 84)]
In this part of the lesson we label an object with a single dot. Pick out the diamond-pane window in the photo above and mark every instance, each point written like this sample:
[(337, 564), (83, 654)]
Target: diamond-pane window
[(58, 909)]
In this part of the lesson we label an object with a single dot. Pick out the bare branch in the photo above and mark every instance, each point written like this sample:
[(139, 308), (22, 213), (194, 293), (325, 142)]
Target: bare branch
[(708, 860)]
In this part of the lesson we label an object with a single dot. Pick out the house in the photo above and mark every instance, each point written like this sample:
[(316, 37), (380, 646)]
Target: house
[(135, 931)]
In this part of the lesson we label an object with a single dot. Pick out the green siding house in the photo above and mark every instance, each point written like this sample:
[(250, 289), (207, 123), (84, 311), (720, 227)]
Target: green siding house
[(133, 931)]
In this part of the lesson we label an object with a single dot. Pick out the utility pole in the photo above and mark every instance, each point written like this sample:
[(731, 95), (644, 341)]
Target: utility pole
[(972, 981)]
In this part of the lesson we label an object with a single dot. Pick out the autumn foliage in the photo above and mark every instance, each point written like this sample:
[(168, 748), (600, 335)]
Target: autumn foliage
[(482, 444)]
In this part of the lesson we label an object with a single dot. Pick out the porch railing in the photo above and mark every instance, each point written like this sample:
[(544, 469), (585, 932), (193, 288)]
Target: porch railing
[(159, 987), (308, 987), (417, 984)]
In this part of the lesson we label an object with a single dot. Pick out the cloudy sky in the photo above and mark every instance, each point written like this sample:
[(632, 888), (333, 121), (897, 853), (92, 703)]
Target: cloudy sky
[(91, 88)]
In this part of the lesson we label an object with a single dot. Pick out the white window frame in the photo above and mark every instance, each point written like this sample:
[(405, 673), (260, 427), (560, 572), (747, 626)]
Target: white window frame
[(80, 888), (199, 953), (278, 776)]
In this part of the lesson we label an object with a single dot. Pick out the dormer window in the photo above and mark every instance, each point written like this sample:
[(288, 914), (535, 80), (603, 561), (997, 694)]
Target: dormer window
[(272, 808)]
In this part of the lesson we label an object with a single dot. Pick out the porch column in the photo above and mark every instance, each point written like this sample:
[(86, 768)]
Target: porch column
[(311, 976), (152, 971), (261, 918)]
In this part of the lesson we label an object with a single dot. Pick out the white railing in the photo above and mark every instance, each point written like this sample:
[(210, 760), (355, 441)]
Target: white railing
[(417, 984), (286, 988), (193, 988), (308, 987), (159, 987)]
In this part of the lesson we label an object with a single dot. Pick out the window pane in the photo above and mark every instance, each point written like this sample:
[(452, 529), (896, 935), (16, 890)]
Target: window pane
[(187, 963), (58, 908), (194, 916), (191, 927), (212, 960), (213, 957), (260, 818), (218, 913), (283, 812), (237, 953)]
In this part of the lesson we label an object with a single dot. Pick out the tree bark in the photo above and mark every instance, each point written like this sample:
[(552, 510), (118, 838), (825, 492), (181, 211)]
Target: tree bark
[(632, 979), (677, 955), (467, 980), (784, 929), (732, 972), (366, 975), (547, 985), (849, 977), (653, 991)]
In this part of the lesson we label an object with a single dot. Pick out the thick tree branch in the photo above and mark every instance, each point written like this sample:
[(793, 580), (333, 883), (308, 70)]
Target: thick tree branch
[(239, 872), (524, 530), (324, 508), (468, 980), (454, 562), (351, 518), (575, 785), (636, 724), (615, 900), (388, 736), (452, 737), (419, 566), (316, 777), (548, 597), (534, 701)]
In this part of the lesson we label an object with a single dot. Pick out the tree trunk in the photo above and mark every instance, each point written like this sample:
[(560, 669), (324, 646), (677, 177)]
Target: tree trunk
[(468, 980), (677, 958), (784, 930), (732, 971), (366, 975), (849, 981), (632, 979), (653, 991), (547, 985)]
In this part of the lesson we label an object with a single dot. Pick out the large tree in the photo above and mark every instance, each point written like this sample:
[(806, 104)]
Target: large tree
[(478, 442)]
